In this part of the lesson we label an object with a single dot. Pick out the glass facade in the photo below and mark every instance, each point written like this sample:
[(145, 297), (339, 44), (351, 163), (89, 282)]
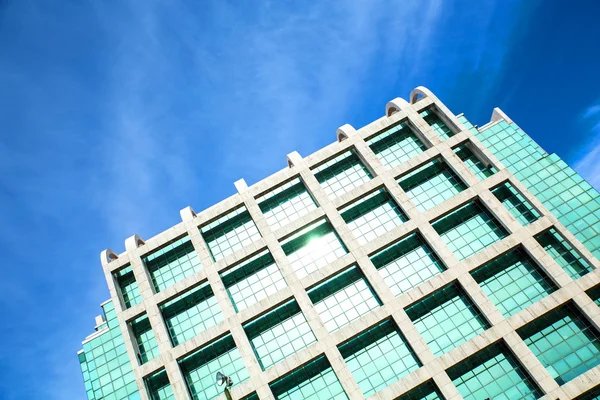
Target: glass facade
[(125, 281), (564, 341), (286, 203), (493, 373), (313, 381), (396, 145), (513, 282), (279, 334), (436, 123), (343, 298), (372, 216), (313, 247), (230, 233), (431, 184), (469, 229), (562, 252), (191, 313), (379, 357), (172, 263), (253, 280), (446, 319), (407, 264), (342, 174), (375, 351), (200, 368)]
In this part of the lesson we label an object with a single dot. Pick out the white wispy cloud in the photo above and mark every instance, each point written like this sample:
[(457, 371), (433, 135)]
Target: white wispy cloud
[(588, 161)]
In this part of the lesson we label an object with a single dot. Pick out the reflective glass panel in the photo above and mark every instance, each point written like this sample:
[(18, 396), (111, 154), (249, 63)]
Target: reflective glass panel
[(516, 204), (159, 387), (129, 287), (469, 229), (563, 253), (230, 233), (436, 123), (478, 167), (144, 338), (286, 203), (343, 298), (253, 280), (172, 263), (446, 319), (342, 174), (425, 391), (278, 334), (396, 145), (372, 216)]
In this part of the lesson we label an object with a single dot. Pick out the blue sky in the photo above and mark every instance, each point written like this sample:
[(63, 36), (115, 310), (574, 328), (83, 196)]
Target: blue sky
[(115, 115)]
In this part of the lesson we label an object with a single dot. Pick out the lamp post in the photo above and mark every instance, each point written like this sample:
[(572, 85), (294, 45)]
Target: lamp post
[(225, 380)]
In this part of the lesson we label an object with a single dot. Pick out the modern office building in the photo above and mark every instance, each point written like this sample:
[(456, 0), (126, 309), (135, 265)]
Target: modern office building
[(418, 257)]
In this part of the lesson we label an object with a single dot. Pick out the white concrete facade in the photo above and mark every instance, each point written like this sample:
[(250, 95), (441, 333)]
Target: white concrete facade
[(393, 306)]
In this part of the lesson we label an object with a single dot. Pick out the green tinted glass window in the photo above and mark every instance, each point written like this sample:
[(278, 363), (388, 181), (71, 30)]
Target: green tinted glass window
[(230, 233), (378, 357), (469, 229), (313, 381), (253, 280), (446, 319), (191, 313), (342, 174), (199, 369), (159, 387), (513, 282), (564, 341), (396, 145), (372, 216), (343, 298), (313, 247), (516, 204), (144, 338), (278, 334), (286, 203), (435, 122), (407, 264), (431, 184), (478, 167), (592, 394), (425, 391), (493, 373), (129, 287), (105, 364), (594, 294), (563, 253), (172, 263)]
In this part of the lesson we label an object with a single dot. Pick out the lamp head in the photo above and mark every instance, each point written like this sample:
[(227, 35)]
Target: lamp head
[(223, 379)]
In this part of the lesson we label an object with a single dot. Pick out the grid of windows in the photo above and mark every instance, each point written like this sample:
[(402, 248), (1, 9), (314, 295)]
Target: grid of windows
[(564, 341), (562, 252), (128, 286), (593, 394), (396, 145), (436, 123), (469, 229), (372, 216), (279, 334), (313, 381), (230, 233), (407, 264), (431, 184), (286, 203), (379, 357), (342, 174), (105, 364), (253, 280), (425, 391), (493, 373), (199, 369), (191, 313), (172, 263), (446, 319), (478, 167), (159, 387), (144, 337), (513, 282), (343, 298), (516, 204), (313, 247)]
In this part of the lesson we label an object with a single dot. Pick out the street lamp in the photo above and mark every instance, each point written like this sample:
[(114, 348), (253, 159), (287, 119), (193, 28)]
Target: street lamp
[(224, 380)]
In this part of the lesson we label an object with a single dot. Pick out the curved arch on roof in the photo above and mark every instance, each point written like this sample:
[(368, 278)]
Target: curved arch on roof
[(107, 256), (420, 90), (133, 242), (344, 132), (398, 104)]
